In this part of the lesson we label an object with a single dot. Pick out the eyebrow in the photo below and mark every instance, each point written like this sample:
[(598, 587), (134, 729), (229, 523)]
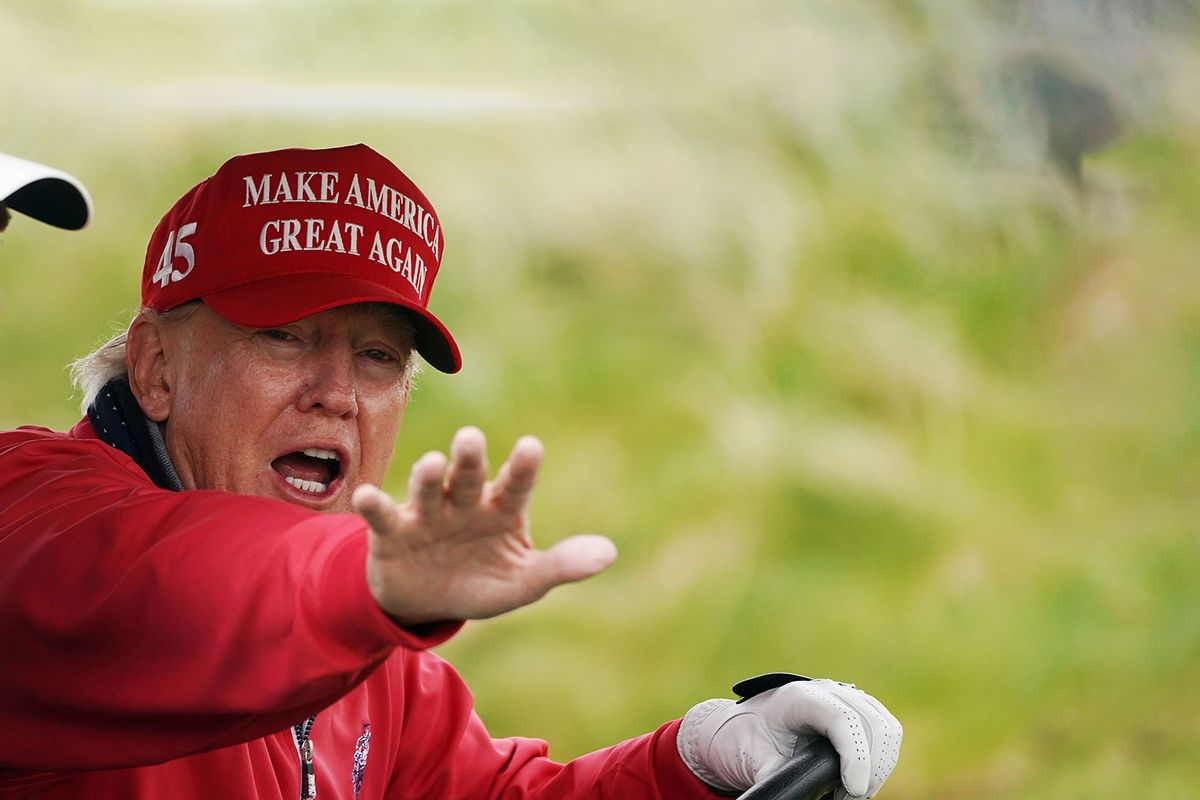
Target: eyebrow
[(398, 322)]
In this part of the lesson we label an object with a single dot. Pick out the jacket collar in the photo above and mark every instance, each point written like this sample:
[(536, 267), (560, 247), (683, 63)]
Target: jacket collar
[(119, 421)]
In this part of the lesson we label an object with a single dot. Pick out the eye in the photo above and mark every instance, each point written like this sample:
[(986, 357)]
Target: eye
[(277, 335), (379, 356)]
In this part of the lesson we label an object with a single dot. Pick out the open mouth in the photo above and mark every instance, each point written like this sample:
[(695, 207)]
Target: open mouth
[(311, 470)]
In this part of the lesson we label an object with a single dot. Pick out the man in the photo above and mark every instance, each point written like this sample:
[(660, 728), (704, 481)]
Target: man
[(43, 193), (205, 594)]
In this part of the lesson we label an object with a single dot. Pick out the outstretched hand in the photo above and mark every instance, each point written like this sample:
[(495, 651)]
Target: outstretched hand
[(460, 547)]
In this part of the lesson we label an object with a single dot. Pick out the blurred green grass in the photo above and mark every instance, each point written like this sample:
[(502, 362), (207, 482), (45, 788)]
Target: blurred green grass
[(861, 385)]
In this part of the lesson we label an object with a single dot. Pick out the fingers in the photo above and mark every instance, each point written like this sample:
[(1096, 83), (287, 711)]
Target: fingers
[(866, 736), (426, 482), (375, 506), (428, 485), (515, 481), (463, 480), (468, 467), (809, 706), (884, 732), (850, 740)]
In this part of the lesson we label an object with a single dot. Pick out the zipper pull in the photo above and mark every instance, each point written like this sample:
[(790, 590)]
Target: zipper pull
[(308, 773)]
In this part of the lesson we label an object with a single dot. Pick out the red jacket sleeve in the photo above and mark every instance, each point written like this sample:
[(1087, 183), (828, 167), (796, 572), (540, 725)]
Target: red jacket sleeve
[(445, 753), (140, 625)]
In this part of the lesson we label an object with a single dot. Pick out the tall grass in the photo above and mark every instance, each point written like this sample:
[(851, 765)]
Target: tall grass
[(862, 379)]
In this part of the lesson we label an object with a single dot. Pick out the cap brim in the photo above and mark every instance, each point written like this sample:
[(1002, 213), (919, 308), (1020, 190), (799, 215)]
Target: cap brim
[(287, 298), (44, 193)]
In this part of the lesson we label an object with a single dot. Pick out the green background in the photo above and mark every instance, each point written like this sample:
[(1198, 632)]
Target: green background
[(860, 380)]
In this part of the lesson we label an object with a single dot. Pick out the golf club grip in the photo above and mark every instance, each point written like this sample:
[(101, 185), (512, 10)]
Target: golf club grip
[(810, 774)]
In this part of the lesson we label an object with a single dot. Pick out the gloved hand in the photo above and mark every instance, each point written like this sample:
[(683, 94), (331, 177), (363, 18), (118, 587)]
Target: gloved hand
[(731, 745)]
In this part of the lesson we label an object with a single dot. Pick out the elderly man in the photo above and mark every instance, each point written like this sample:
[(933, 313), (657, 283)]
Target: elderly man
[(203, 592), (42, 192)]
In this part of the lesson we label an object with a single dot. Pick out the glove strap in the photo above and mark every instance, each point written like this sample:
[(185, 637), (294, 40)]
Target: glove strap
[(764, 683)]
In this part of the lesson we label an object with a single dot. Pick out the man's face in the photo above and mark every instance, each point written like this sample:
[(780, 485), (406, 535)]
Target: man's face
[(303, 412)]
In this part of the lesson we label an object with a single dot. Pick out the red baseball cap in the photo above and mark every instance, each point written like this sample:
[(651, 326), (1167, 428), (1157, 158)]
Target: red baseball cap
[(274, 237)]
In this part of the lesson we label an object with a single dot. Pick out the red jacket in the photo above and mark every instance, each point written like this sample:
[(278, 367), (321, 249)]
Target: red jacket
[(163, 644)]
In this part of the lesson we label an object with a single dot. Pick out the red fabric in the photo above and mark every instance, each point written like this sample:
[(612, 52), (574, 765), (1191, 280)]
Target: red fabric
[(161, 644)]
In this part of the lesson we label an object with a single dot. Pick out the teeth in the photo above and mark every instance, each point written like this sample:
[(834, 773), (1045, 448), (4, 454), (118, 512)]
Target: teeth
[(316, 487), (316, 452)]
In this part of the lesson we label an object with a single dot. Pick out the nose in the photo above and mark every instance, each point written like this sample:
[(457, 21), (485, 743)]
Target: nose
[(329, 387)]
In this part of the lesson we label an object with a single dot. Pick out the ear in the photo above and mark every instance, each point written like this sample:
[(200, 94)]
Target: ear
[(149, 366)]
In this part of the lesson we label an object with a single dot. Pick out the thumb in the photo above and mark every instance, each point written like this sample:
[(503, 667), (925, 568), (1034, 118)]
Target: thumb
[(574, 559)]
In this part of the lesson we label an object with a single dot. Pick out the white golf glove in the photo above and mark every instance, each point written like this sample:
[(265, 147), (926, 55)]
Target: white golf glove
[(731, 745)]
